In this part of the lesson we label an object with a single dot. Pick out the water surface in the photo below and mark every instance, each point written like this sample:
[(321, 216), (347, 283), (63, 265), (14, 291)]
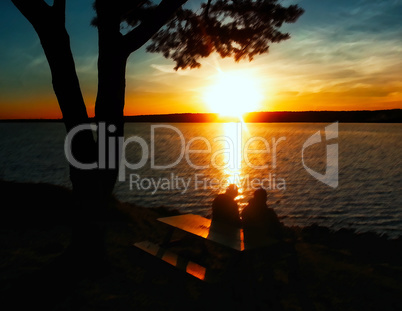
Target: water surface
[(368, 197)]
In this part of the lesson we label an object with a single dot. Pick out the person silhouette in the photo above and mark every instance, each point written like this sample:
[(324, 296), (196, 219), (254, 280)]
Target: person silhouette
[(257, 217), (225, 209)]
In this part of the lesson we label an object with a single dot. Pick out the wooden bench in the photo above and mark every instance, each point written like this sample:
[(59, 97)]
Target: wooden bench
[(173, 259), (221, 234)]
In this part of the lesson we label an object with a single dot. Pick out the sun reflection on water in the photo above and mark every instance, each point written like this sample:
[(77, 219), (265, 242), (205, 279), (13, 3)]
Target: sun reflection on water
[(233, 171)]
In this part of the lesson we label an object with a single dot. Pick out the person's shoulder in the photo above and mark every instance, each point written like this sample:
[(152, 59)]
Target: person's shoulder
[(248, 207), (270, 210), (251, 203), (221, 197), (271, 213)]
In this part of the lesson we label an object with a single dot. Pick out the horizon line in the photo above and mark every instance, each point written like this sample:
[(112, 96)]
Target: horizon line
[(208, 113)]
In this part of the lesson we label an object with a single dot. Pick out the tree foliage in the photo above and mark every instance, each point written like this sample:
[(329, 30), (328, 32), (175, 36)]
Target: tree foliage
[(240, 29)]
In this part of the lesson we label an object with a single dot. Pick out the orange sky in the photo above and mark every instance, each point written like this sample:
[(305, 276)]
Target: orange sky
[(164, 91)]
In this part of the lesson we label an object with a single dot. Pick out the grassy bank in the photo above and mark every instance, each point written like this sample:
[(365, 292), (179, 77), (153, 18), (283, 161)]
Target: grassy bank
[(316, 269)]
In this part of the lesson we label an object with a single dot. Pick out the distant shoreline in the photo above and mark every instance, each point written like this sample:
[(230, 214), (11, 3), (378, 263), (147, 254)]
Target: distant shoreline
[(358, 116)]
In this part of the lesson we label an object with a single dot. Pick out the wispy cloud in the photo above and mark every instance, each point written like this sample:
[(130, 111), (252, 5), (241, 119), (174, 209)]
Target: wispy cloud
[(168, 69)]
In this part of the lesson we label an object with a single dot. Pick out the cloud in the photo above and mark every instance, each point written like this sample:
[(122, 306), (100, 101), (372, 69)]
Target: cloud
[(376, 17), (340, 48), (168, 69)]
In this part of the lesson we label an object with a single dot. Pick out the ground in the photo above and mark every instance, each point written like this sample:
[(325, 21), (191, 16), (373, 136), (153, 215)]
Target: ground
[(314, 269)]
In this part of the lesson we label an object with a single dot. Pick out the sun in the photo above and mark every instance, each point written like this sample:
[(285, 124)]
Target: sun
[(234, 93)]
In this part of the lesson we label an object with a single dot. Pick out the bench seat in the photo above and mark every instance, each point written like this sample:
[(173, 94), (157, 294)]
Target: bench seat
[(175, 260)]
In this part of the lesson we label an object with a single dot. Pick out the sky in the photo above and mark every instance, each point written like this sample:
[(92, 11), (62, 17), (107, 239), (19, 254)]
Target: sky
[(342, 55)]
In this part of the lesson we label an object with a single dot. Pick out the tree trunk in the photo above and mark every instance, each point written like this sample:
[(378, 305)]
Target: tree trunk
[(49, 24), (109, 107), (87, 240)]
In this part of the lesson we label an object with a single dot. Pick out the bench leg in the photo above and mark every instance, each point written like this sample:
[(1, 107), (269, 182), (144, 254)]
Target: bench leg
[(168, 237)]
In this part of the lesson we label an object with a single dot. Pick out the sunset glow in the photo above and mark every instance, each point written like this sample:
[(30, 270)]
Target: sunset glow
[(233, 93), (333, 61)]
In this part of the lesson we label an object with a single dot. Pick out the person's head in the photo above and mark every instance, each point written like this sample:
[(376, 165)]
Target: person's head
[(260, 195), (232, 191)]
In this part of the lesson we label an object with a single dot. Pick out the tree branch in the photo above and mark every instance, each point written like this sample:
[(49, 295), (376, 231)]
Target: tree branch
[(35, 11), (59, 6), (208, 5), (137, 37)]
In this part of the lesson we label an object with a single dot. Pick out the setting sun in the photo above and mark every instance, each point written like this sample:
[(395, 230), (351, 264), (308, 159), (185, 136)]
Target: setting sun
[(233, 93)]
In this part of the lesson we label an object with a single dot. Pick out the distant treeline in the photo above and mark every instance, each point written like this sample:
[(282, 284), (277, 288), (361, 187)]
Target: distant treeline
[(376, 116)]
